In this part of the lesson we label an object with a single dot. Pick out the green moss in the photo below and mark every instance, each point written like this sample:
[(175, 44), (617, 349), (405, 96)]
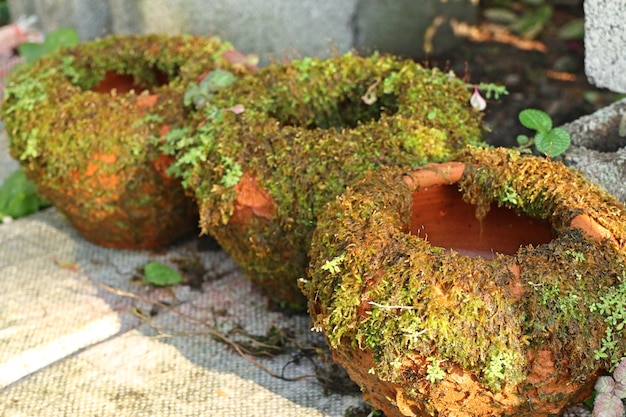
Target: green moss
[(55, 92), (308, 128), (399, 297), (60, 128)]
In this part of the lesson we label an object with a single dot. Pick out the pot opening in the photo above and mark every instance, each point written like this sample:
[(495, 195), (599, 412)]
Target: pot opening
[(440, 215), (124, 83), (349, 111)]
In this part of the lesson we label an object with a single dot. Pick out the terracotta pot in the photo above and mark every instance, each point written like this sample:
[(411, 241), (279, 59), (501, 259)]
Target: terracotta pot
[(86, 123), (467, 288), (306, 129)]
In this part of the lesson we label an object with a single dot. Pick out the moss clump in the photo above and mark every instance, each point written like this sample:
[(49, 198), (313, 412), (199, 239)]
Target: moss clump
[(375, 287), (91, 147), (307, 128)]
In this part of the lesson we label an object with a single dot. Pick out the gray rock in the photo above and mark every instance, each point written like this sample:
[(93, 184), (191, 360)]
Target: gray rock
[(599, 147), (90, 18), (605, 43)]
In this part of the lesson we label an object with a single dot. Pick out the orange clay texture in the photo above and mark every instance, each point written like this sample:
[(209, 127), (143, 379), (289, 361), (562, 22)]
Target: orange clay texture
[(85, 123), (444, 334), (308, 128)]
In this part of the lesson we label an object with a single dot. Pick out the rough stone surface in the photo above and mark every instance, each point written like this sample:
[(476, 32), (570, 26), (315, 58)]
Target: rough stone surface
[(90, 18), (605, 42), (270, 28), (274, 29), (7, 164), (599, 147)]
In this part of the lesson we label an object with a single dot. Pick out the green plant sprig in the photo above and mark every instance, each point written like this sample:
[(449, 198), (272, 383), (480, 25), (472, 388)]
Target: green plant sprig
[(548, 140), (491, 89)]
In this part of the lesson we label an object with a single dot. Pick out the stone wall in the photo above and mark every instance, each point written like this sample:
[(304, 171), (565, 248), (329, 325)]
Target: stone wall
[(270, 28), (605, 43)]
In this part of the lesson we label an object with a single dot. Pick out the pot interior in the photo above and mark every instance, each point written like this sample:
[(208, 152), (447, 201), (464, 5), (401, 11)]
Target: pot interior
[(349, 111), (440, 215), (124, 83)]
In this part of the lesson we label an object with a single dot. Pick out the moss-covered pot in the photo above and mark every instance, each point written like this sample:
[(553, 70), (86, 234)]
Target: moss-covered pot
[(273, 149), (430, 323), (84, 124)]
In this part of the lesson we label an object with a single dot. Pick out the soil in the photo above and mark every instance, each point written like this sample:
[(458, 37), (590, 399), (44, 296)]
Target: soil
[(547, 75)]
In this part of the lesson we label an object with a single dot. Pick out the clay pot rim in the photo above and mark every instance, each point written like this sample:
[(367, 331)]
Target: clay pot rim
[(364, 259), (96, 58), (69, 101), (449, 173)]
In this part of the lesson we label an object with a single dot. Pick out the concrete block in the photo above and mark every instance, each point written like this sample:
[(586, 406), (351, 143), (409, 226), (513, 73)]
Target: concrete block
[(274, 29), (270, 28), (605, 43), (90, 18), (599, 147)]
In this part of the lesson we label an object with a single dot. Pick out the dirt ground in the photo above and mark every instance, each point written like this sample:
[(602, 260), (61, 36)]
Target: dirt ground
[(546, 72)]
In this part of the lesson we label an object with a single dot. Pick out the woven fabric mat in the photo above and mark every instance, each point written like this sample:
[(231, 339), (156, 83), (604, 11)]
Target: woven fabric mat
[(80, 337)]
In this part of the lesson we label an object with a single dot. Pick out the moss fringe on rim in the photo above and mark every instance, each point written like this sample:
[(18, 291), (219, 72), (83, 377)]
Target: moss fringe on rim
[(61, 130), (458, 312), (306, 128)]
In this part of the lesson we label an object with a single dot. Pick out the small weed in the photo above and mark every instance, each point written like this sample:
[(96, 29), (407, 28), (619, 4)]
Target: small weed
[(509, 195), (498, 369), (160, 275), (576, 255), (478, 102), (548, 140), (491, 89), (55, 40), (434, 373), (18, 196), (612, 306), (332, 266), (200, 94)]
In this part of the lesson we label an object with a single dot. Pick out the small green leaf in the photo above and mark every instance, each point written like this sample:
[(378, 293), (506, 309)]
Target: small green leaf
[(232, 172), (196, 94), (57, 39), (18, 196), (31, 51), (535, 119), (200, 94), (554, 142), (61, 38), (574, 30), (218, 79), (530, 25), (161, 275), (522, 140)]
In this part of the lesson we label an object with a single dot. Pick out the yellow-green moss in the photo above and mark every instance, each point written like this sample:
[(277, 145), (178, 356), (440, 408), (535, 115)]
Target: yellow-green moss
[(305, 130), (59, 128), (374, 286)]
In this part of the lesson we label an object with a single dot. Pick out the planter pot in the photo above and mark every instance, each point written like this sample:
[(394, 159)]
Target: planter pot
[(306, 128), (85, 123), (471, 288)]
